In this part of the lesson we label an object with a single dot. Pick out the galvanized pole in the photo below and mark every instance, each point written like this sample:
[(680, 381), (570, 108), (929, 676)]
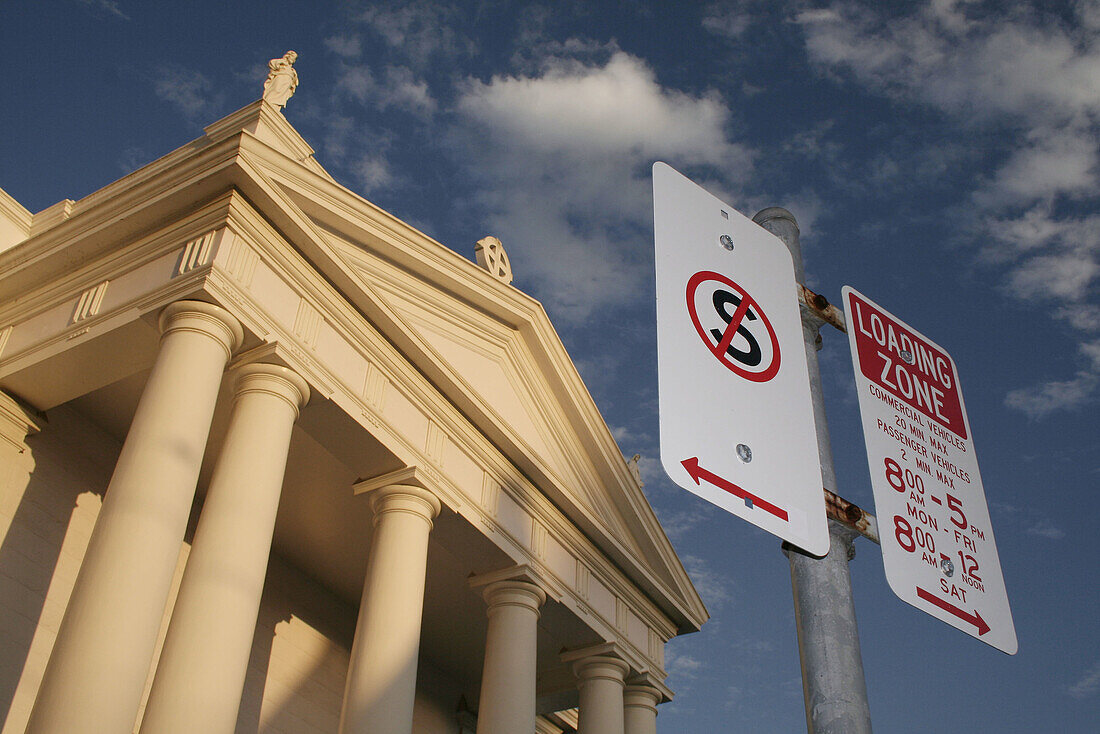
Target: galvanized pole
[(833, 685)]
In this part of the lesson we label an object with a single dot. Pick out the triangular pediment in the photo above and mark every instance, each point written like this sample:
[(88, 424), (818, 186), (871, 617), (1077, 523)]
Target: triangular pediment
[(492, 362), (485, 346)]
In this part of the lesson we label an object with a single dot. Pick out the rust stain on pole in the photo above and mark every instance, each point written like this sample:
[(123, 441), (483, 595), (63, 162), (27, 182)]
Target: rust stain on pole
[(820, 307), (851, 515)]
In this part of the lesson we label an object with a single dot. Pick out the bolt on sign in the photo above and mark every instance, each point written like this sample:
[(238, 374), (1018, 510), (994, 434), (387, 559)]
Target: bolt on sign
[(737, 424), (937, 540)]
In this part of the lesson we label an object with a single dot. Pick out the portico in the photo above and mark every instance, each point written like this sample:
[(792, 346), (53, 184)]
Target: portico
[(358, 485)]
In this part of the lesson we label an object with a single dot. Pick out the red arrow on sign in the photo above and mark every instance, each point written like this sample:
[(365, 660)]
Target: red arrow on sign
[(974, 619), (697, 472)]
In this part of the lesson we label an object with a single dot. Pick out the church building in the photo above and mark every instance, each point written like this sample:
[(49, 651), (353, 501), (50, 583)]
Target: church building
[(272, 460)]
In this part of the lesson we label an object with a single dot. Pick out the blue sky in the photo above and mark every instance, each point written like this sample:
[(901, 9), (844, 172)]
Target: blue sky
[(941, 157)]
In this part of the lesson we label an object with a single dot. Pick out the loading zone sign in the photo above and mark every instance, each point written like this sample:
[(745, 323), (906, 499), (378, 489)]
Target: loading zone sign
[(737, 426), (937, 539)]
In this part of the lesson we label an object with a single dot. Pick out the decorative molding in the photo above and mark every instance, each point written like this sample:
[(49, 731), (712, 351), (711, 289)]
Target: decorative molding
[(411, 475), (5, 334), (89, 302), (543, 726), (570, 718), (621, 615), (521, 572), (491, 256), (196, 253), (16, 212), (51, 216), (16, 422), (538, 539), (490, 495), (307, 323), (656, 648), (583, 579), (433, 443), (374, 387), (241, 263)]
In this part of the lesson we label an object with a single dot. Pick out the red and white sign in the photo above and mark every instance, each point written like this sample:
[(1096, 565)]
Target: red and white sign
[(737, 426), (937, 539)]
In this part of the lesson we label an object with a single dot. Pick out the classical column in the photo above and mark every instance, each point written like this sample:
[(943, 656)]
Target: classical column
[(381, 682), (201, 672), (507, 703), (640, 709), (600, 680), (100, 660)]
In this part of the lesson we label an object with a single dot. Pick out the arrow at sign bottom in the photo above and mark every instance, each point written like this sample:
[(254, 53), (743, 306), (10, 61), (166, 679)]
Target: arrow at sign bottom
[(697, 472), (974, 619)]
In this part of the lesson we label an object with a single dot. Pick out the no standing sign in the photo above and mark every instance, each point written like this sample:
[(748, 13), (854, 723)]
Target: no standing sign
[(737, 425), (937, 539)]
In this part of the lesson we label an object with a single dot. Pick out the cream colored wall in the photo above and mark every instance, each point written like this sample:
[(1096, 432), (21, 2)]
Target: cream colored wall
[(50, 495), (49, 499)]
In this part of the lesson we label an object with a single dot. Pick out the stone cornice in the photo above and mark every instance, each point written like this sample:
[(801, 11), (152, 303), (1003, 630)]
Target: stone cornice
[(96, 223), (17, 421), (15, 211)]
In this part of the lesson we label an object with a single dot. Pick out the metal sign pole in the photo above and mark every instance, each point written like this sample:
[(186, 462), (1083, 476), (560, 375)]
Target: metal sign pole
[(833, 685)]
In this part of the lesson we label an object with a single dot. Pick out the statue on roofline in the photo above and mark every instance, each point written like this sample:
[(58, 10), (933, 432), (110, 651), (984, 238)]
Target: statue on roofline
[(282, 80)]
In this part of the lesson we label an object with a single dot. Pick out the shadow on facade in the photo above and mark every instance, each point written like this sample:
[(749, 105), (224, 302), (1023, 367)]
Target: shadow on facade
[(63, 485)]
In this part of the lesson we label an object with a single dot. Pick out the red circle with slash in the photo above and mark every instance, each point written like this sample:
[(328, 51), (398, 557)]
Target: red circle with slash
[(748, 363)]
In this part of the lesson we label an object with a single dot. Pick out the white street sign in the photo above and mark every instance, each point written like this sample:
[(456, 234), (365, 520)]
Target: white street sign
[(937, 540), (737, 425)]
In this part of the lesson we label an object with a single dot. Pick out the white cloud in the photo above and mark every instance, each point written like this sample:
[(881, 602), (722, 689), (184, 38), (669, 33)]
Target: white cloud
[(1065, 276), (347, 46), (372, 172), (678, 524), (1050, 163), (418, 31), (715, 588), (729, 20), (1089, 13), (185, 88), (1092, 351), (1083, 317), (1049, 397), (357, 81), (1045, 528), (563, 163), (985, 67), (681, 665), (1045, 80), (108, 6), (1023, 232), (1088, 685), (400, 88), (405, 91), (1035, 85)]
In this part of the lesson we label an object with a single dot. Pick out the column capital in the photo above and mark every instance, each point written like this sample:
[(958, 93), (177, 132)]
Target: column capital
[(205, 318), (273, 379), (602, 667), (522, 572), (513, 592), (641, 696), (405, 498)]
